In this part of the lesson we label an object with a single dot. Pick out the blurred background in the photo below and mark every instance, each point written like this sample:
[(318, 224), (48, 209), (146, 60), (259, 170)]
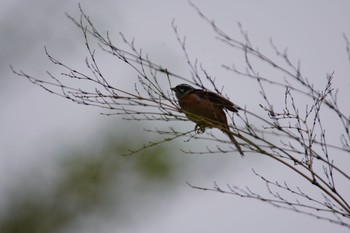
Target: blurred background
[(61, 168)]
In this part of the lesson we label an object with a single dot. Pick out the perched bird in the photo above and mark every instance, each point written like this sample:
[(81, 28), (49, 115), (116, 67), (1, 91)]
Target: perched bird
[(206, 109)]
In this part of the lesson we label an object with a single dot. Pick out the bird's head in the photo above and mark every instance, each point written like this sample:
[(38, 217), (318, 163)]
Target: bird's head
[(181, 90)]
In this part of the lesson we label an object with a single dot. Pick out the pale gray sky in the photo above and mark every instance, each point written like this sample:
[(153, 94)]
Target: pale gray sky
[(33, 122)]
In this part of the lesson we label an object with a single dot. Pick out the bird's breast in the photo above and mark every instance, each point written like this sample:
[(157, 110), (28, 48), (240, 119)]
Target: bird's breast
[(202, 111)]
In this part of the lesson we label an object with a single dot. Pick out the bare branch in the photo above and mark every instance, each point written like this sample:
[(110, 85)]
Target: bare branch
[(294, 135)]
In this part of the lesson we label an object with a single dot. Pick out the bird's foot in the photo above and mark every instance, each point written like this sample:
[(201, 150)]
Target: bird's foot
[(199, 129)]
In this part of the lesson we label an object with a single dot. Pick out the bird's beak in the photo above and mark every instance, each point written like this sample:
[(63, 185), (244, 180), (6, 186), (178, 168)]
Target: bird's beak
[(173, 88)]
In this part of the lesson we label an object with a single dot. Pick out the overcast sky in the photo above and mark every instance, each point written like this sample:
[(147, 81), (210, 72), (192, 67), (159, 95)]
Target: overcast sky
[(32, 122)]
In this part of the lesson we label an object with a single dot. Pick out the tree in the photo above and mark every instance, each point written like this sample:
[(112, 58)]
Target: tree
[(88, 181), (294, 135)]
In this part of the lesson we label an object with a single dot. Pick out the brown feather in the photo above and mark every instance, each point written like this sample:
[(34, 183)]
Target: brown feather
[(206, 109), (216, 98)]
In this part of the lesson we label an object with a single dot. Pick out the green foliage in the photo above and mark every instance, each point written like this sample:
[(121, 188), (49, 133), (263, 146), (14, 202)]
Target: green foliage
[(86, 183), (155, 163)]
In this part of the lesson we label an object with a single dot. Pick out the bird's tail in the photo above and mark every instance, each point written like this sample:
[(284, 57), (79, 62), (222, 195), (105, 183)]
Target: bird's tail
[(234, 141)]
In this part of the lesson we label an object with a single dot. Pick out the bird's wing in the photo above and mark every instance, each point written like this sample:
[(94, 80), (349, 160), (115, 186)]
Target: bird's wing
[(216, 99)]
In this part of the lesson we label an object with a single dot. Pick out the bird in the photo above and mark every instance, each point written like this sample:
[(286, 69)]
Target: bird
[(206, 109)]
